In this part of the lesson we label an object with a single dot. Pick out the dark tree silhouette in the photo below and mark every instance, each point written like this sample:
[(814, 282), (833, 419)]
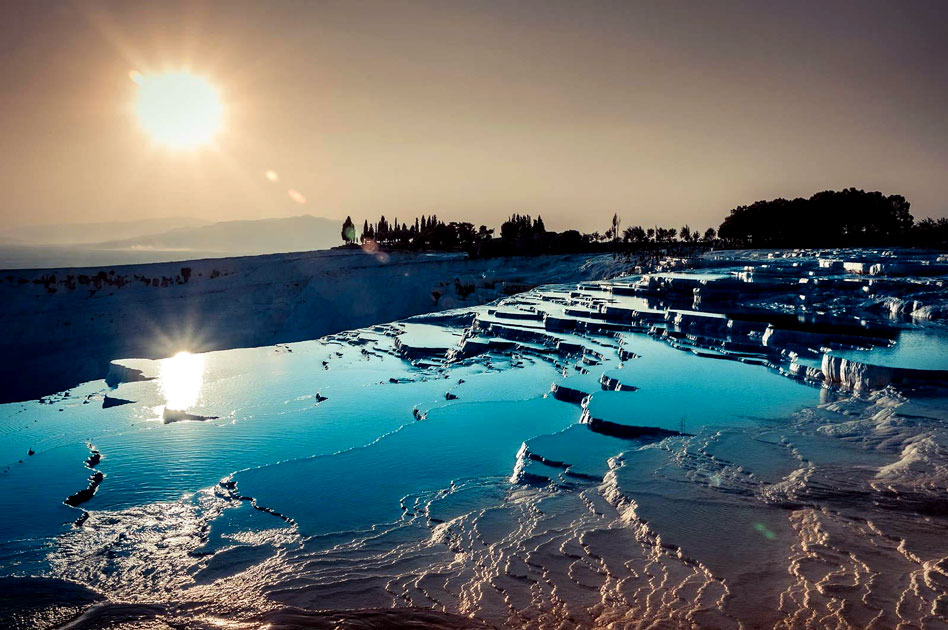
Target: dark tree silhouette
[(613, 231), (829, 218), (634, 234), (931, 233), (348, 231)]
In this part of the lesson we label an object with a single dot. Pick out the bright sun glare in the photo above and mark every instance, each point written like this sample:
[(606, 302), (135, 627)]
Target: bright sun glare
[(180, 379), (178, 109)]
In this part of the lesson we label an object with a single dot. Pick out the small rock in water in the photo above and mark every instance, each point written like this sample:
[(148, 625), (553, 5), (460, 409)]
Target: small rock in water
[(175, 415), (110, 401), (94, 458)]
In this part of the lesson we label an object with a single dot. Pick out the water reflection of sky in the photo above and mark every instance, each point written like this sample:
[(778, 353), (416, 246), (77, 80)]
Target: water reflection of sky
[(180, 379), (918, 349)]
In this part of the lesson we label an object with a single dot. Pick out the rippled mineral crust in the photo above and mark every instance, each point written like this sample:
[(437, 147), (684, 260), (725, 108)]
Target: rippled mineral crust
[(727, 442), (157, 617)]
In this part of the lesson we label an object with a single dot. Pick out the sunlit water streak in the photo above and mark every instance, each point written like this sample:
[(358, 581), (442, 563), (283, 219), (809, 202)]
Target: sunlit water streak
[(180, 379)]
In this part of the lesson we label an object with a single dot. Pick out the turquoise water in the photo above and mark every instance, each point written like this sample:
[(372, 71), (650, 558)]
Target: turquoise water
[(365, 486), (674, 391), (339, 436), (915, 349)]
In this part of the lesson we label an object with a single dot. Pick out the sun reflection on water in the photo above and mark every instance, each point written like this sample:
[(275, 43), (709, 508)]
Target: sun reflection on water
[(180, 379)]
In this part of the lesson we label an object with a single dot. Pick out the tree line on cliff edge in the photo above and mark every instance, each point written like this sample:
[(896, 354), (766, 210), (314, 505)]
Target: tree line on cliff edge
[(520, 234), (830, 218), (848, 217)]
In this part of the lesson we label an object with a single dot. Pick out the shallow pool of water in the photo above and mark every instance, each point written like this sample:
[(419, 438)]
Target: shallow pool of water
[(915, 349)]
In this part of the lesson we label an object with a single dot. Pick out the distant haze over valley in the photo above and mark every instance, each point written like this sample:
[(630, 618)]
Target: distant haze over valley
[(157, 240), (86, 233)]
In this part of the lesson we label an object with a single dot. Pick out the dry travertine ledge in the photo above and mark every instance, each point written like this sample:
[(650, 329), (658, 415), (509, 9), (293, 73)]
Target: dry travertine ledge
[(63, 326)]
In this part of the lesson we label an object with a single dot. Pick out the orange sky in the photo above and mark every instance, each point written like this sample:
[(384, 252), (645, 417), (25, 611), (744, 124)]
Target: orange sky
[(663, 112)]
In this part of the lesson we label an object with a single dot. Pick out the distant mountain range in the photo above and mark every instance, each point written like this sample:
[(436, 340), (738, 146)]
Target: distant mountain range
[(261, 236), (154, 241)]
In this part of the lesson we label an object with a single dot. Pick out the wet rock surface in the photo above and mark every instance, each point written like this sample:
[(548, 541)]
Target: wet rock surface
[(41, 603)]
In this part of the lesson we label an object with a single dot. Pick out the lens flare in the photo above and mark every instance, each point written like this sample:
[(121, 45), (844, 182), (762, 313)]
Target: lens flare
[(296, 196)]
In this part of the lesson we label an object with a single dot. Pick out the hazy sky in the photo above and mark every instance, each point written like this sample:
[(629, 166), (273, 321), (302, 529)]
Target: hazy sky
[(663, 112)]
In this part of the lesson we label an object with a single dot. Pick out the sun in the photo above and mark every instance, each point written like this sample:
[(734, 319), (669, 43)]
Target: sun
[(178, 109)]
